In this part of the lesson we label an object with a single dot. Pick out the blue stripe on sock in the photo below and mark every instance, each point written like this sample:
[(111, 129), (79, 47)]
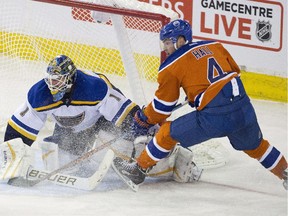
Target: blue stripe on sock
[(157, 153), (270, 158)]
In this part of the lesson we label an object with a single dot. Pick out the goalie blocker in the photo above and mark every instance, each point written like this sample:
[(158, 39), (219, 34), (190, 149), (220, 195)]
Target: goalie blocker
[(15, 159)]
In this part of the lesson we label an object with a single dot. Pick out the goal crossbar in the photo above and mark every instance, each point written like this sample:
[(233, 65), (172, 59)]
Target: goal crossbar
[(109, 9)]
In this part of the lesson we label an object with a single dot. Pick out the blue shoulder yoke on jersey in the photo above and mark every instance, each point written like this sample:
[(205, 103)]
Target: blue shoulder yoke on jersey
[(87, 90), (39, 95), (181, 51)]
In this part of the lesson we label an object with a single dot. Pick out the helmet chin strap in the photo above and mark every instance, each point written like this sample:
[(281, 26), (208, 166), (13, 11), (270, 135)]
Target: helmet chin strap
[(175, 44)]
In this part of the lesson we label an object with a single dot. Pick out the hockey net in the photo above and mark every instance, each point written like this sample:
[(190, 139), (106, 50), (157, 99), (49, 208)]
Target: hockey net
[(119, 38)]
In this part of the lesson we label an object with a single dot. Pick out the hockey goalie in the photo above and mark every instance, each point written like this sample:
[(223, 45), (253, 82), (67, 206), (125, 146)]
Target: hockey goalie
[(81, 104)]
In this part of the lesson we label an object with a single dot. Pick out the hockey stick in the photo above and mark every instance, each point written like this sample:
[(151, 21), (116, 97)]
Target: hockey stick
[(76, 182), (24, 182), (179, 105)]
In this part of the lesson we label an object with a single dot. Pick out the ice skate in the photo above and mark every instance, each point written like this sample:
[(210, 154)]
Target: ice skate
[(130, 173)]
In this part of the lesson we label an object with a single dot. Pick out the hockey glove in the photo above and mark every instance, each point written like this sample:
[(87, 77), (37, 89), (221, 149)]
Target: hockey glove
[(140, 125)]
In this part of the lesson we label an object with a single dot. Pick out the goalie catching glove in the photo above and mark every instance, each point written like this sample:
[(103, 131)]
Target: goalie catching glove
[(15, 159)]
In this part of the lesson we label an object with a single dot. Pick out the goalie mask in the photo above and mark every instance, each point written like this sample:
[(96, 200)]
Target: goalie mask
[(173, 30), (60, 76)]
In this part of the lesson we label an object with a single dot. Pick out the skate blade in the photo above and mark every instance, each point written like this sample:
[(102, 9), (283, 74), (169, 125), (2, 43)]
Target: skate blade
[(127, 181)]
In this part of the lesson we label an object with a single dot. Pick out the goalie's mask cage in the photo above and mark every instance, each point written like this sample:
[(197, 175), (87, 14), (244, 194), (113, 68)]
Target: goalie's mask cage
[(60, 76)]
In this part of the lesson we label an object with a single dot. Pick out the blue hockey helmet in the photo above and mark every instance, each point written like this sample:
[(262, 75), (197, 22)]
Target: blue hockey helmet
[(60, 76), (175, 29)]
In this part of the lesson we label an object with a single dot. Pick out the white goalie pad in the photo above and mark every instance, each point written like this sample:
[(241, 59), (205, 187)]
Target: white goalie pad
[(15, 159), (53, 157), (207, 155), (164, 168), (185, 170), (210, 154), (178, 165), (49, 155)]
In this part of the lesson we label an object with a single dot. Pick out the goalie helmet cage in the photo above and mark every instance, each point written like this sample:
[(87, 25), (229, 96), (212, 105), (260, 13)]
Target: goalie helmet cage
[(117, 38)]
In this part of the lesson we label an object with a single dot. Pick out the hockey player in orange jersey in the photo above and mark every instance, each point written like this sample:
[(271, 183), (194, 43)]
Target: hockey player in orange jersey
[(211, 80)]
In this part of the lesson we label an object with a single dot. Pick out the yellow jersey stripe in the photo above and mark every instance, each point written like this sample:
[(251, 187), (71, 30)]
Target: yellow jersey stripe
[(21, 131), (124, 114), (85, 102), (49, 106)]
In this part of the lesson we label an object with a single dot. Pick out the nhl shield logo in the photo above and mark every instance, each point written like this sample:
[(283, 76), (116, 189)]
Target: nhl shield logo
[(263, 31)]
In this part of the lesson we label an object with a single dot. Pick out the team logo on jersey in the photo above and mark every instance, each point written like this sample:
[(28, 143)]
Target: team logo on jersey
[(70, 121), (263, 31)]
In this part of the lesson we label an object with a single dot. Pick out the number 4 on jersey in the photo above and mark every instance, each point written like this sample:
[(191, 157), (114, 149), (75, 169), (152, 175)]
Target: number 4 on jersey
[(215, 72)]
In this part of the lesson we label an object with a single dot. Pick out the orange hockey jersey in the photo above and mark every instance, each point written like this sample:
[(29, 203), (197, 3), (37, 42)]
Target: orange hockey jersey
[(200, 68)]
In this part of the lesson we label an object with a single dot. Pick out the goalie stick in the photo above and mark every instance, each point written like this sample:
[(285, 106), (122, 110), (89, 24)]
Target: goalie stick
[(76, 182), (24, 182)]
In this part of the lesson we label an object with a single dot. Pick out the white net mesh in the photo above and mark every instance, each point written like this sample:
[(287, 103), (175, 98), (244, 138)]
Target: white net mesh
[(122, 43), (33, 33)]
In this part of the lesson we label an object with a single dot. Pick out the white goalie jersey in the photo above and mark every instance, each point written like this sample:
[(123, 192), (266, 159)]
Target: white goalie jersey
[(91, 97)]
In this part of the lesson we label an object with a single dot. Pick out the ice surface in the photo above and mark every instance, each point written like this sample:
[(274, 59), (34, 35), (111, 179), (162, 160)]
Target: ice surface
[(242, 187)]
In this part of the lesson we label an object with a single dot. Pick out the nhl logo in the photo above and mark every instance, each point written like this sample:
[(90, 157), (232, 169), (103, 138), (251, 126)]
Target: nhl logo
[(263, 31)]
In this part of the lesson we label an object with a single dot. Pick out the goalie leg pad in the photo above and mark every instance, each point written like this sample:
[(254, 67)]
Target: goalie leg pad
[(165, 167), (15, 159), (210, 154), (49, 155), (178, 165), (185, 170)]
